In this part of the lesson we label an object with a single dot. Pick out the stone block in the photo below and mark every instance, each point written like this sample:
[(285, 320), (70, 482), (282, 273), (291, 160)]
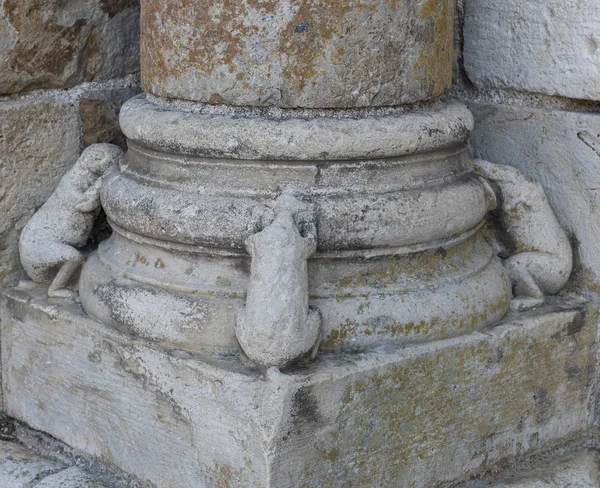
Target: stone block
[(547, 46), (39, 141), (561, 151), (578, 471), (58, 44), (422, 415), (99, 112)]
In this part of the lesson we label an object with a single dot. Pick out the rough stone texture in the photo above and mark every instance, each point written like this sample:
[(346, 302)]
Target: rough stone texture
[(538, 255), (415, 416), (22, 468), (99, 112), (561, 151), (579, 471), (547, 46), (19, 468), (51, 242), (397, 206), (298, 53), (58, 44), (72, 477), (39, 141), (276, 327)]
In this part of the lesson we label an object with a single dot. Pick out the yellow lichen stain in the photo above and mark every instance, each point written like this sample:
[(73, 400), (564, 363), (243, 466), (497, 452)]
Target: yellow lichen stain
[(137, 259), (392, 421), (434, 64), (223, 282), (224, 476), (305, 38), (423, 266), (159, 263), (348, 332), (212, 37)]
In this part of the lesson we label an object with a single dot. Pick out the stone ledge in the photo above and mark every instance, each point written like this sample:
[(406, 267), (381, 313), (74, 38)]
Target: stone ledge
[(578, 471), (419, 416)]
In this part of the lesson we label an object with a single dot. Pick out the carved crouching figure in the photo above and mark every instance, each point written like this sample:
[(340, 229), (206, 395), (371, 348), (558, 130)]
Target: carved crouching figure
[(49, 242), (276, 327), (539, 258)]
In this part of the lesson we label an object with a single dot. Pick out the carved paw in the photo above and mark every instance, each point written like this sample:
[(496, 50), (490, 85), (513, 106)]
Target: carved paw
[(63, 293)]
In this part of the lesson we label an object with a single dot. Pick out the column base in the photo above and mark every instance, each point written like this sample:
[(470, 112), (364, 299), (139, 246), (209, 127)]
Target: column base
[(419, 415)]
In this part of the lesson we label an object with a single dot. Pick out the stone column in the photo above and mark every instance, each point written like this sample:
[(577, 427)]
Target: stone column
[(336, 103)]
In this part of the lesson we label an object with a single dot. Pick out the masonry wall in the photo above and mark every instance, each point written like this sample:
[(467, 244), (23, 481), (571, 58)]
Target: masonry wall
[(530, 73), (66, 67)]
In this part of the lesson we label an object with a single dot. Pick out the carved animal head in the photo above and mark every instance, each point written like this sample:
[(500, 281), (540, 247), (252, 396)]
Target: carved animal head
[(99, 158)]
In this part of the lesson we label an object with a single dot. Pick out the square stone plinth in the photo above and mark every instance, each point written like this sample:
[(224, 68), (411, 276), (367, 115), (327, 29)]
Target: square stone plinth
[(415, 416)]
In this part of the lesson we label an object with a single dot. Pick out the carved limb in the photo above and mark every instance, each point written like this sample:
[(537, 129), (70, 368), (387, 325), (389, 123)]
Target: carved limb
[(58, 287)]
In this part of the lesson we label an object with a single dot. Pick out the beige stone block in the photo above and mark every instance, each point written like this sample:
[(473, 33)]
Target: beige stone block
[(99, 111), (39, 141), (547, 46), (415, 416), (58, 44), (561, 151), (298, 53)]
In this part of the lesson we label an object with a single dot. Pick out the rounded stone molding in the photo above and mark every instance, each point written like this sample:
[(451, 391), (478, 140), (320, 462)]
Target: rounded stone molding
[(298, 53), (293, 135), (397, 212)]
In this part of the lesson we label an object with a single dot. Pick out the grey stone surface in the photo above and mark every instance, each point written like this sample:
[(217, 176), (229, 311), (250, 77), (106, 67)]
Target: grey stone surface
[(20, 468), (547, 46), (51, 241), (538, 256), (298, 53), (311, 135), (276, 327), (58, 44), (412, 416), (39, 141), (23, 468), (397, 206), (72, 477), (578, 471), (561, 151)]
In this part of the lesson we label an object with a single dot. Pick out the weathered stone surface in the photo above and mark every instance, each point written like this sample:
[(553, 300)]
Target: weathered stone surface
[(580, 471), (416, 416), (547, 46), (39, 141), (58, 44), (298, 53), (538, 256), (276, 327), (561, 151), (397, 207), (72, 477), (99, 113), (19, 468)]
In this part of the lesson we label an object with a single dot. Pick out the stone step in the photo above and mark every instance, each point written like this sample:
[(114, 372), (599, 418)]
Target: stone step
[(421, 416), (23, 468), (578, 471)]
